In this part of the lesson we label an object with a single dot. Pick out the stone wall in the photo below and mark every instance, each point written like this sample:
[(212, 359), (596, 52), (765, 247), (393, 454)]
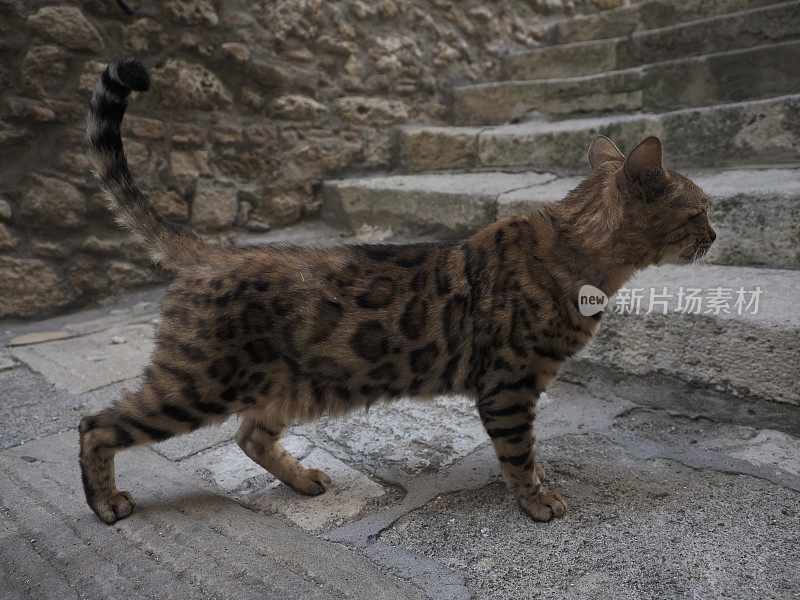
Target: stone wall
[(253, 104)]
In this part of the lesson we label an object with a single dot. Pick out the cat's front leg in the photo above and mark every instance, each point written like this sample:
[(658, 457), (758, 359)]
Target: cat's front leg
[(508, 416)]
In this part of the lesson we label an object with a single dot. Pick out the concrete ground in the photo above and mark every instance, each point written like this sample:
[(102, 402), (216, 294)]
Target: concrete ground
[(670, 495)]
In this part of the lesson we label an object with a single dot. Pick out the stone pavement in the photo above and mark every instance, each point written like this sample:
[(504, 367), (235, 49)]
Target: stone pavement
[(692, 500)]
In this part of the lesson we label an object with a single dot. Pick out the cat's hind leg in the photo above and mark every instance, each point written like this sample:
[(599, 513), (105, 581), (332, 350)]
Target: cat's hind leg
[(159, 410), (261, 442)]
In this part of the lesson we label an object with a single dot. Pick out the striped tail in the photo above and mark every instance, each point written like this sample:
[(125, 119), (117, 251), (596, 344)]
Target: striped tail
[(169, 244)]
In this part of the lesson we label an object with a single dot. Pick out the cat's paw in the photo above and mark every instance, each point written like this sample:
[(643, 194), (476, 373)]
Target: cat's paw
[(544, 506), (312, 482), (112, 508)]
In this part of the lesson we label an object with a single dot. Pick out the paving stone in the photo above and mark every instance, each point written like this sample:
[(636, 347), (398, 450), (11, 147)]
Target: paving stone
[(26, 574), (770, 448), (141, 312), (760, 447), (183, 540), (349, 494), (31, 407), (387, 439), (568, 408), (237, 475), (634, 528), (231, 470), (87, 362)]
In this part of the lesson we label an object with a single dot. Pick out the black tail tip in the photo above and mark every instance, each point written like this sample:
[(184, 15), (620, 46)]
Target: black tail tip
[(132, 74)]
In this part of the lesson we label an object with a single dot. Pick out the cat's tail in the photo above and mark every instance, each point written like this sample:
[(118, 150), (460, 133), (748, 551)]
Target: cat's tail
[(169, 244)]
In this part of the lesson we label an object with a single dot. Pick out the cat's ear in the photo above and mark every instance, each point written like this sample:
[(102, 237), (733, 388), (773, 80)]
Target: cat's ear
[(602, 150), (645, 160)]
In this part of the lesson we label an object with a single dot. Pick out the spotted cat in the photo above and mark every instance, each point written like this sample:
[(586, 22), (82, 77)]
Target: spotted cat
[(280, 334)]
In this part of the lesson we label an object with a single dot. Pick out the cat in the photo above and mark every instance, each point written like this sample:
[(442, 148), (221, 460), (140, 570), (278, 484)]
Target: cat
[(282, 333)]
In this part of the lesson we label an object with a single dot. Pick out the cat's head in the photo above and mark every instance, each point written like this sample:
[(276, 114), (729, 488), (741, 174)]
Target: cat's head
[(661, 215)]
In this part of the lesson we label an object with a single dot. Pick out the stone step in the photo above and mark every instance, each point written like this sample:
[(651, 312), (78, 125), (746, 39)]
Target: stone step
[(641, 16), (756, 212), (731, 76), (718, 33), (738, 134), (747, 355)]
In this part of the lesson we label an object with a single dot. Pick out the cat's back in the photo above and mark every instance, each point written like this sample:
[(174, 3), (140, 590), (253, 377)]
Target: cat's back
[(365, 300)]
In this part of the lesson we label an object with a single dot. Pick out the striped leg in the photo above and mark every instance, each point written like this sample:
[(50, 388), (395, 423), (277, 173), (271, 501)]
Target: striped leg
[(509, 420), (136, 418), (261, 443)]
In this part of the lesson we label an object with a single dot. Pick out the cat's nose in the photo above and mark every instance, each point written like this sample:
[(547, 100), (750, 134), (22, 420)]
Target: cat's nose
[(712, 234)]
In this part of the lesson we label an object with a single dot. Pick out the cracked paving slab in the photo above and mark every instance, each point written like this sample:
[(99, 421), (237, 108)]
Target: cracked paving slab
[(91, 361), (701, 443), (634, 529), (405, 438), (350, 494)]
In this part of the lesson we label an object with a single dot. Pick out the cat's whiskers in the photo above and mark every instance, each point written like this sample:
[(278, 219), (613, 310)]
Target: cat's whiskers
[(664, 247)]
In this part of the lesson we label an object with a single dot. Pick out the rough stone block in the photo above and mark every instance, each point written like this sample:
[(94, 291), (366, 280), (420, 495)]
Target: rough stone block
[(191, 85), (42, 69), (560, 145), (436, 148), (52, 202), (193, 12), (215, 205), (371, 111), (67, 26), (295, 107), (30, 287)]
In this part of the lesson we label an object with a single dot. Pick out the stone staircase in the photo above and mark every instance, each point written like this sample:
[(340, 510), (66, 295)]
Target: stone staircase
[(717, 81)]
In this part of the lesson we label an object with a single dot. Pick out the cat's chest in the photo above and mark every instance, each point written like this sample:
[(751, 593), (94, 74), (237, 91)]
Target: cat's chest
[(546, 328)]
